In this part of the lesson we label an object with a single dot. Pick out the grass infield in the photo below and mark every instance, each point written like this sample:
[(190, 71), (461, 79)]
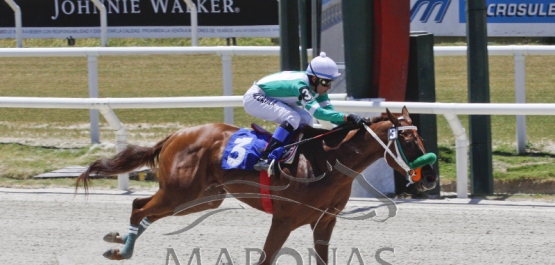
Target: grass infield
[(49, 139)]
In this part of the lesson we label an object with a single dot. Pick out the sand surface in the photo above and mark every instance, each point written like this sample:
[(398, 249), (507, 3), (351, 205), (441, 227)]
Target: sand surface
[(51, 226)]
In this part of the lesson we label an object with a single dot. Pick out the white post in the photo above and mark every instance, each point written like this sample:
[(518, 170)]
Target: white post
[(194, 21), (103, 22), (461, 152), (93, 93), (18, 25), (121, 141), (462, 168), (228, 86), (520, 97)]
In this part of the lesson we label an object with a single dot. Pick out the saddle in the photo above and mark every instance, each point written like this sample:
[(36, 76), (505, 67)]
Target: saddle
[(288, 154), (259, 129)]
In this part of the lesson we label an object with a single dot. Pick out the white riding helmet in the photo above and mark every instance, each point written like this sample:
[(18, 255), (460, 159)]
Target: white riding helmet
[(323, 67)]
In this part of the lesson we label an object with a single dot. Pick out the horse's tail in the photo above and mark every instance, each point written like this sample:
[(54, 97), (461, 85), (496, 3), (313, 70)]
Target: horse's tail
[(131, 158)]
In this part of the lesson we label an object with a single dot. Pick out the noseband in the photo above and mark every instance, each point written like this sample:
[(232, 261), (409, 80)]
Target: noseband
[(412, 169)]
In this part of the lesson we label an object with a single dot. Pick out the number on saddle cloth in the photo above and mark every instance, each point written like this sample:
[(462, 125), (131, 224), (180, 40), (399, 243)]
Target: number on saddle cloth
[(246, 146), (244, 149)]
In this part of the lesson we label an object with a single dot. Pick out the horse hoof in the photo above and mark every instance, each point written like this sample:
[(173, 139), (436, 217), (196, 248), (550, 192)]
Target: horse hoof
[(113, 237), (113, 254)]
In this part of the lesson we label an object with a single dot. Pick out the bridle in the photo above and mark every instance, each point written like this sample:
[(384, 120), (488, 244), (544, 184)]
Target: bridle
[(412, 169)]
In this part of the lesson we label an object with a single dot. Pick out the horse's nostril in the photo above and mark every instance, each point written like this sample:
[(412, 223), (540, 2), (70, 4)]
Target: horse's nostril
[(430, 178)]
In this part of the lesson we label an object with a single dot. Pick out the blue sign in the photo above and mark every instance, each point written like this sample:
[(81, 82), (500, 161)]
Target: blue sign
[(429, 6), (515, 11)]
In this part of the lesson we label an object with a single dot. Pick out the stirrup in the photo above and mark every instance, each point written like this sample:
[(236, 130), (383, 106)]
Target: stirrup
[(262, 164)]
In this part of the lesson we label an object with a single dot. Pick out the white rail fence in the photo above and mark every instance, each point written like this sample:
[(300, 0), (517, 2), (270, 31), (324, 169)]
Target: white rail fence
[(92, 53), (519, 53), (448, 110), (106, 105)]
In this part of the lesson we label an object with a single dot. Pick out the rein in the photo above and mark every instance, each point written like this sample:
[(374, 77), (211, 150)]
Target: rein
[(412, 168), (315, 137)]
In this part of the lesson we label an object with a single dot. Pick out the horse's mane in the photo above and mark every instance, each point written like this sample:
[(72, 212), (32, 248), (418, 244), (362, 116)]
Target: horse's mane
[(334, 139), (380, 118), (330, 140), (309, 131)]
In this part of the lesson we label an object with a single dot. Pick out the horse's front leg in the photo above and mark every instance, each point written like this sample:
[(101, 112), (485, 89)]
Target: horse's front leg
[(322, 234), (279, 232)]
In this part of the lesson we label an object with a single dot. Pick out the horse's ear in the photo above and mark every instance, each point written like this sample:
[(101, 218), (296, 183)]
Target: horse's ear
[(392, 118), (406, 115)]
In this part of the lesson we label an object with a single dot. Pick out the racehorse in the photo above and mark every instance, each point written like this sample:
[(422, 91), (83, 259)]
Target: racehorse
[(189, 168)]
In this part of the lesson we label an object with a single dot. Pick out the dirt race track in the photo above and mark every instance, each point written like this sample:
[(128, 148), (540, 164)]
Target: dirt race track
[(50, 226)]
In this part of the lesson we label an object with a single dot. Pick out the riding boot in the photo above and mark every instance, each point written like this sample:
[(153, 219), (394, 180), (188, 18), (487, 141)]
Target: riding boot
[(278, 139)]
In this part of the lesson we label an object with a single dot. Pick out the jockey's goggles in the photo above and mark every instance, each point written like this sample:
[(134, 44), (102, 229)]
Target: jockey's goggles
[(325, 82)]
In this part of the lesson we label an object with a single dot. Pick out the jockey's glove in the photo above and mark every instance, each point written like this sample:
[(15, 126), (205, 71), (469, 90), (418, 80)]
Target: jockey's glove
[(358, 120)]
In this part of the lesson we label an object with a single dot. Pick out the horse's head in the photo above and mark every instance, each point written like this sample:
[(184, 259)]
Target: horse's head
[(407, 154)]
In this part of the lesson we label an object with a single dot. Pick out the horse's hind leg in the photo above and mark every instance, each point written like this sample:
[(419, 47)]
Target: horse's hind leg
[(160, 206), (138, 203), (156, 206)]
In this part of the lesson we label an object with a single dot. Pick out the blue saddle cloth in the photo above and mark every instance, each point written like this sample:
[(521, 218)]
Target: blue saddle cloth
[(244, 149)]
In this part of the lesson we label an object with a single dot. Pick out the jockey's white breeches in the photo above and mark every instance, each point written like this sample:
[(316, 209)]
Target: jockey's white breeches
[(259, 105)]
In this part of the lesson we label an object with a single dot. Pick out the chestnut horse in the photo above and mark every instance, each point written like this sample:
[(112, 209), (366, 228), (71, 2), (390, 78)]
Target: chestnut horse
[(190, 168)]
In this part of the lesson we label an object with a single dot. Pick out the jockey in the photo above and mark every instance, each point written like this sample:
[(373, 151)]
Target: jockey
[(291, 98)]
